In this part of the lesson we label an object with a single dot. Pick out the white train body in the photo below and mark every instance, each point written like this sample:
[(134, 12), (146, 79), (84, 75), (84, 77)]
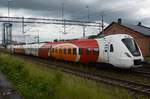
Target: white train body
[(120, 50)]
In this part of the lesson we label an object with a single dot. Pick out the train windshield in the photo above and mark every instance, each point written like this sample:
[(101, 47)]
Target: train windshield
[(132, 46)]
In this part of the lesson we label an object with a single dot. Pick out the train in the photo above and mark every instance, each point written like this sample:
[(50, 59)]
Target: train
[(119, 50)]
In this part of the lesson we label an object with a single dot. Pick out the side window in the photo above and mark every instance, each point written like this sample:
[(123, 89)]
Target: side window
[(49, 49), (106, 47), (69, 51), (80, 51), (64, 50), (88, 51), (74, 51), (60, 51), (56, 50), (111, 48), (53, 50), (149, 47), (95, 51)]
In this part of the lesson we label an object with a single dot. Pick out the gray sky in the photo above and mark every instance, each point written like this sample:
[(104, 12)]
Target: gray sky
[(131, 11)]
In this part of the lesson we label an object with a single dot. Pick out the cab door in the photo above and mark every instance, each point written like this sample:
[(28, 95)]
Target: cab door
[(112, 55), (106, 52)]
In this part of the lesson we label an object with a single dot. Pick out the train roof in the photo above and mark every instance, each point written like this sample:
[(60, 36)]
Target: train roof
[(81, 42)]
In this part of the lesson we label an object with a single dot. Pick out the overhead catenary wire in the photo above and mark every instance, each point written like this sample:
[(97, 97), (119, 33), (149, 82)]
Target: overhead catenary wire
[(33, 21), (53, 21)]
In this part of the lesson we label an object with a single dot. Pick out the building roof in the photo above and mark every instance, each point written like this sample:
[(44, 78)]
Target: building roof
[(139, 28)]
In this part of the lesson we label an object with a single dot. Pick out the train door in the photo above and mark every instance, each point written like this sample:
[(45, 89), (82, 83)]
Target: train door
[(114, 54), (50, 51), (111, 55), (106, 52), (87, 55)]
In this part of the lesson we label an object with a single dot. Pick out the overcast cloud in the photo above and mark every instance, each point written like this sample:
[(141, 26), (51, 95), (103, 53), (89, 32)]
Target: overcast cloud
[(131, 11)]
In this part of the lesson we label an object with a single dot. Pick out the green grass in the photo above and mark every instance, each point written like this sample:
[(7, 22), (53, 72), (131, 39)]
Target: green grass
[(120, 74), (39, 82), (147, 58)]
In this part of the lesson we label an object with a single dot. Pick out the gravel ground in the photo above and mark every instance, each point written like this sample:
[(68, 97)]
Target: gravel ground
[(6, 89)]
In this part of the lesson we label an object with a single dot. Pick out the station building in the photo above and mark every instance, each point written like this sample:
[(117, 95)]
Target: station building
[(139, 32)]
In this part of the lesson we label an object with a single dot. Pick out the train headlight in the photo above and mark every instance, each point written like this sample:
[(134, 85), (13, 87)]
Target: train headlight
[(127, 54)]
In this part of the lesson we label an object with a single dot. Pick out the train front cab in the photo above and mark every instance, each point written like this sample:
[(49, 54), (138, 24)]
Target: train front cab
[(121, 51), (126, 53), (134, 53)]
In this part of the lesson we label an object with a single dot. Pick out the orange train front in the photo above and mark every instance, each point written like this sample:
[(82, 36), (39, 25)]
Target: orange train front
[(119, 50)]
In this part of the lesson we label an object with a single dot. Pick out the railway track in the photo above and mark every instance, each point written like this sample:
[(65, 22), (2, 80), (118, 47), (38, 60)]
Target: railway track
[(144, 71), (131, 85)]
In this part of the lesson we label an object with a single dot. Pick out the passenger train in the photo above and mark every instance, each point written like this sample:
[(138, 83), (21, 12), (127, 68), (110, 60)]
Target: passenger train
[(120, 50)]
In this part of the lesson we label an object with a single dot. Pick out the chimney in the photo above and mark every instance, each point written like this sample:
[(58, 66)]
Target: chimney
[(119, 21), (139, 24)]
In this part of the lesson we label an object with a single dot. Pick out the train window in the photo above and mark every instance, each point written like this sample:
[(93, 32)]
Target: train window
[(88, 51), (95, 51), (111, 48), (132, 46), (106, 47), (52, 50), (149, 47), (64, 50), (80, 51), (69, 51), (60, 51), (74, 51), (48, 48), (56, 51)]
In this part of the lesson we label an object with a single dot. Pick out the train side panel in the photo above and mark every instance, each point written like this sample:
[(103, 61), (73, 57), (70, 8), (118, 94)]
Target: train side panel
[(19, 49), (88, 50), (66, 51), (43, 50)]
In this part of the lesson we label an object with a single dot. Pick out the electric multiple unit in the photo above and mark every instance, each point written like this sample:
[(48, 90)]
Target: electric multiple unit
[(120, 50)]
